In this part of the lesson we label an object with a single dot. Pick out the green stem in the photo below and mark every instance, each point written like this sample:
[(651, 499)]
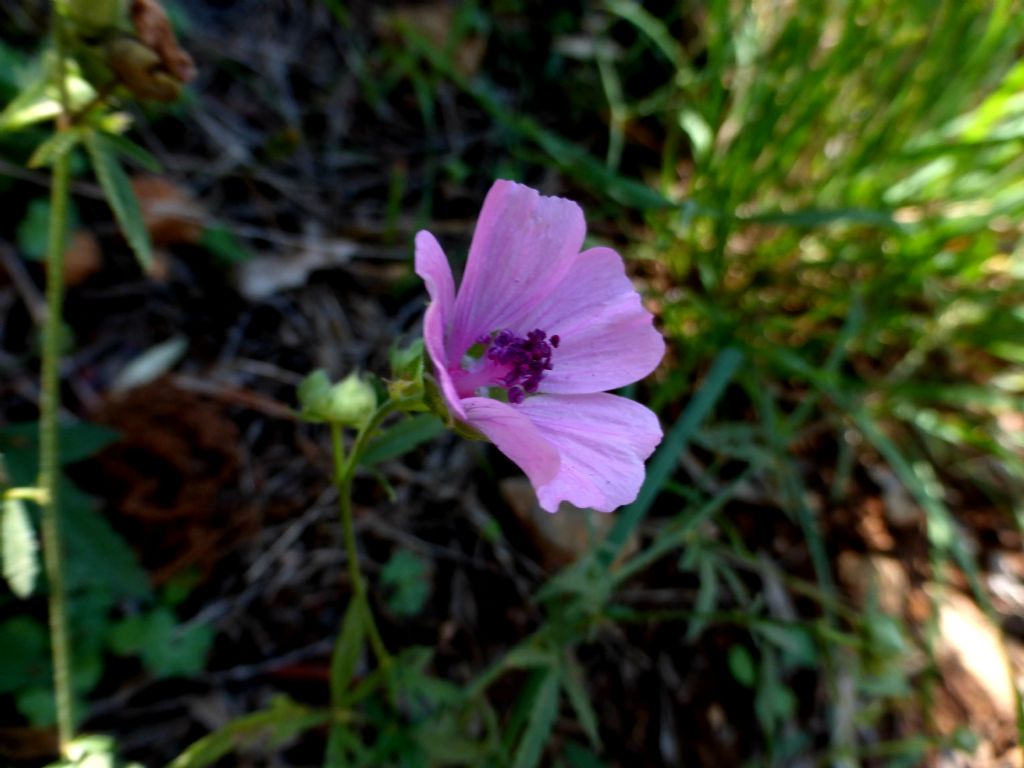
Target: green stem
[(49, 436), (49, 462), (344, 473)]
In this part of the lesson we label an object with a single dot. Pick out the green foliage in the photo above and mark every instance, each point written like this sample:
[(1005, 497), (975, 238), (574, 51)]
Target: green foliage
[(406, 577), (98, 557), (402, 438), (224, 246), (277, 724), (167, 648), (102, 573), (349, 648), (33, 232), (104, 153), (25, 666), (543, 711)]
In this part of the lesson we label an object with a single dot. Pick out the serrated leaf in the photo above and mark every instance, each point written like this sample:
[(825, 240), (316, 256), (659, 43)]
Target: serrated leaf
[(97, 555), (348, 648), (167, 648), (118, 190), (20, 548), (542, 719), (24, 654)]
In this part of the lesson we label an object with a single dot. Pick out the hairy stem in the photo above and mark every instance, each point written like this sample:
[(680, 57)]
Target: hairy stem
[(49, 462), (49, 437)]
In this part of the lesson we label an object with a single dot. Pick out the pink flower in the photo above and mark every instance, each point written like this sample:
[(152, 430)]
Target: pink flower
[(547, 328)]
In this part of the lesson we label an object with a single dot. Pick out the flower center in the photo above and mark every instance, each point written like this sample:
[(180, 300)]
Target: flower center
[(513, 362)]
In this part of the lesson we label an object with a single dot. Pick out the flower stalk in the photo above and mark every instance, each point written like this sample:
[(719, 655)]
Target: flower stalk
[(345, 464)]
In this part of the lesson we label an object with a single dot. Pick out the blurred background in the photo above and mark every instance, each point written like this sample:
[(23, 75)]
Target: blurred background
[(821, 203)]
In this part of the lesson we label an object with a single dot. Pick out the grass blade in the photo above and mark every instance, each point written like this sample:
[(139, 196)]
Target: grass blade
[(665, 459)]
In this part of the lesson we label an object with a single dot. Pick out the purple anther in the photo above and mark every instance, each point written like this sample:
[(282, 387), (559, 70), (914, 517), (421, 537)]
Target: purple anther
[(523, 360)]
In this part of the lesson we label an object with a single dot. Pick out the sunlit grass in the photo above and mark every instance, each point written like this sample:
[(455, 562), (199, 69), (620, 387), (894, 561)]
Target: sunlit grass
[(838, 196)]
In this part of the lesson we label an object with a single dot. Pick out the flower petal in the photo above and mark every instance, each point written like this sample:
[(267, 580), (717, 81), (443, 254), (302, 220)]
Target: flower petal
[(606, 337), (509, 428), (602, 441), (432, 267), (522, 247)]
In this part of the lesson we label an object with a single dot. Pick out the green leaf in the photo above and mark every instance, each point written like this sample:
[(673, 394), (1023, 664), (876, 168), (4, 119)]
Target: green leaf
[(348, 648), (20, 548), (698, 131), (402, 438), (281, 722), (579, 699), (97, 555), (407, 575), (34, 103), (55, 147), (528, 657), (34, 230), (38, 100), (578, 756), (167, 648), (129, 149), (20, 444), (117, 188), (542, 719), (741, 664), (37, 705), (224, 246), (795, 642), (24, 654)]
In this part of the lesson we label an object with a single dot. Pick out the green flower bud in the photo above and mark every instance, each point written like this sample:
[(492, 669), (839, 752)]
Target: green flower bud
[(351, 402)]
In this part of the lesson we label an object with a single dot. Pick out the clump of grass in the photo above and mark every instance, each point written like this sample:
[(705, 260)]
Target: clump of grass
[(834, 191)]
